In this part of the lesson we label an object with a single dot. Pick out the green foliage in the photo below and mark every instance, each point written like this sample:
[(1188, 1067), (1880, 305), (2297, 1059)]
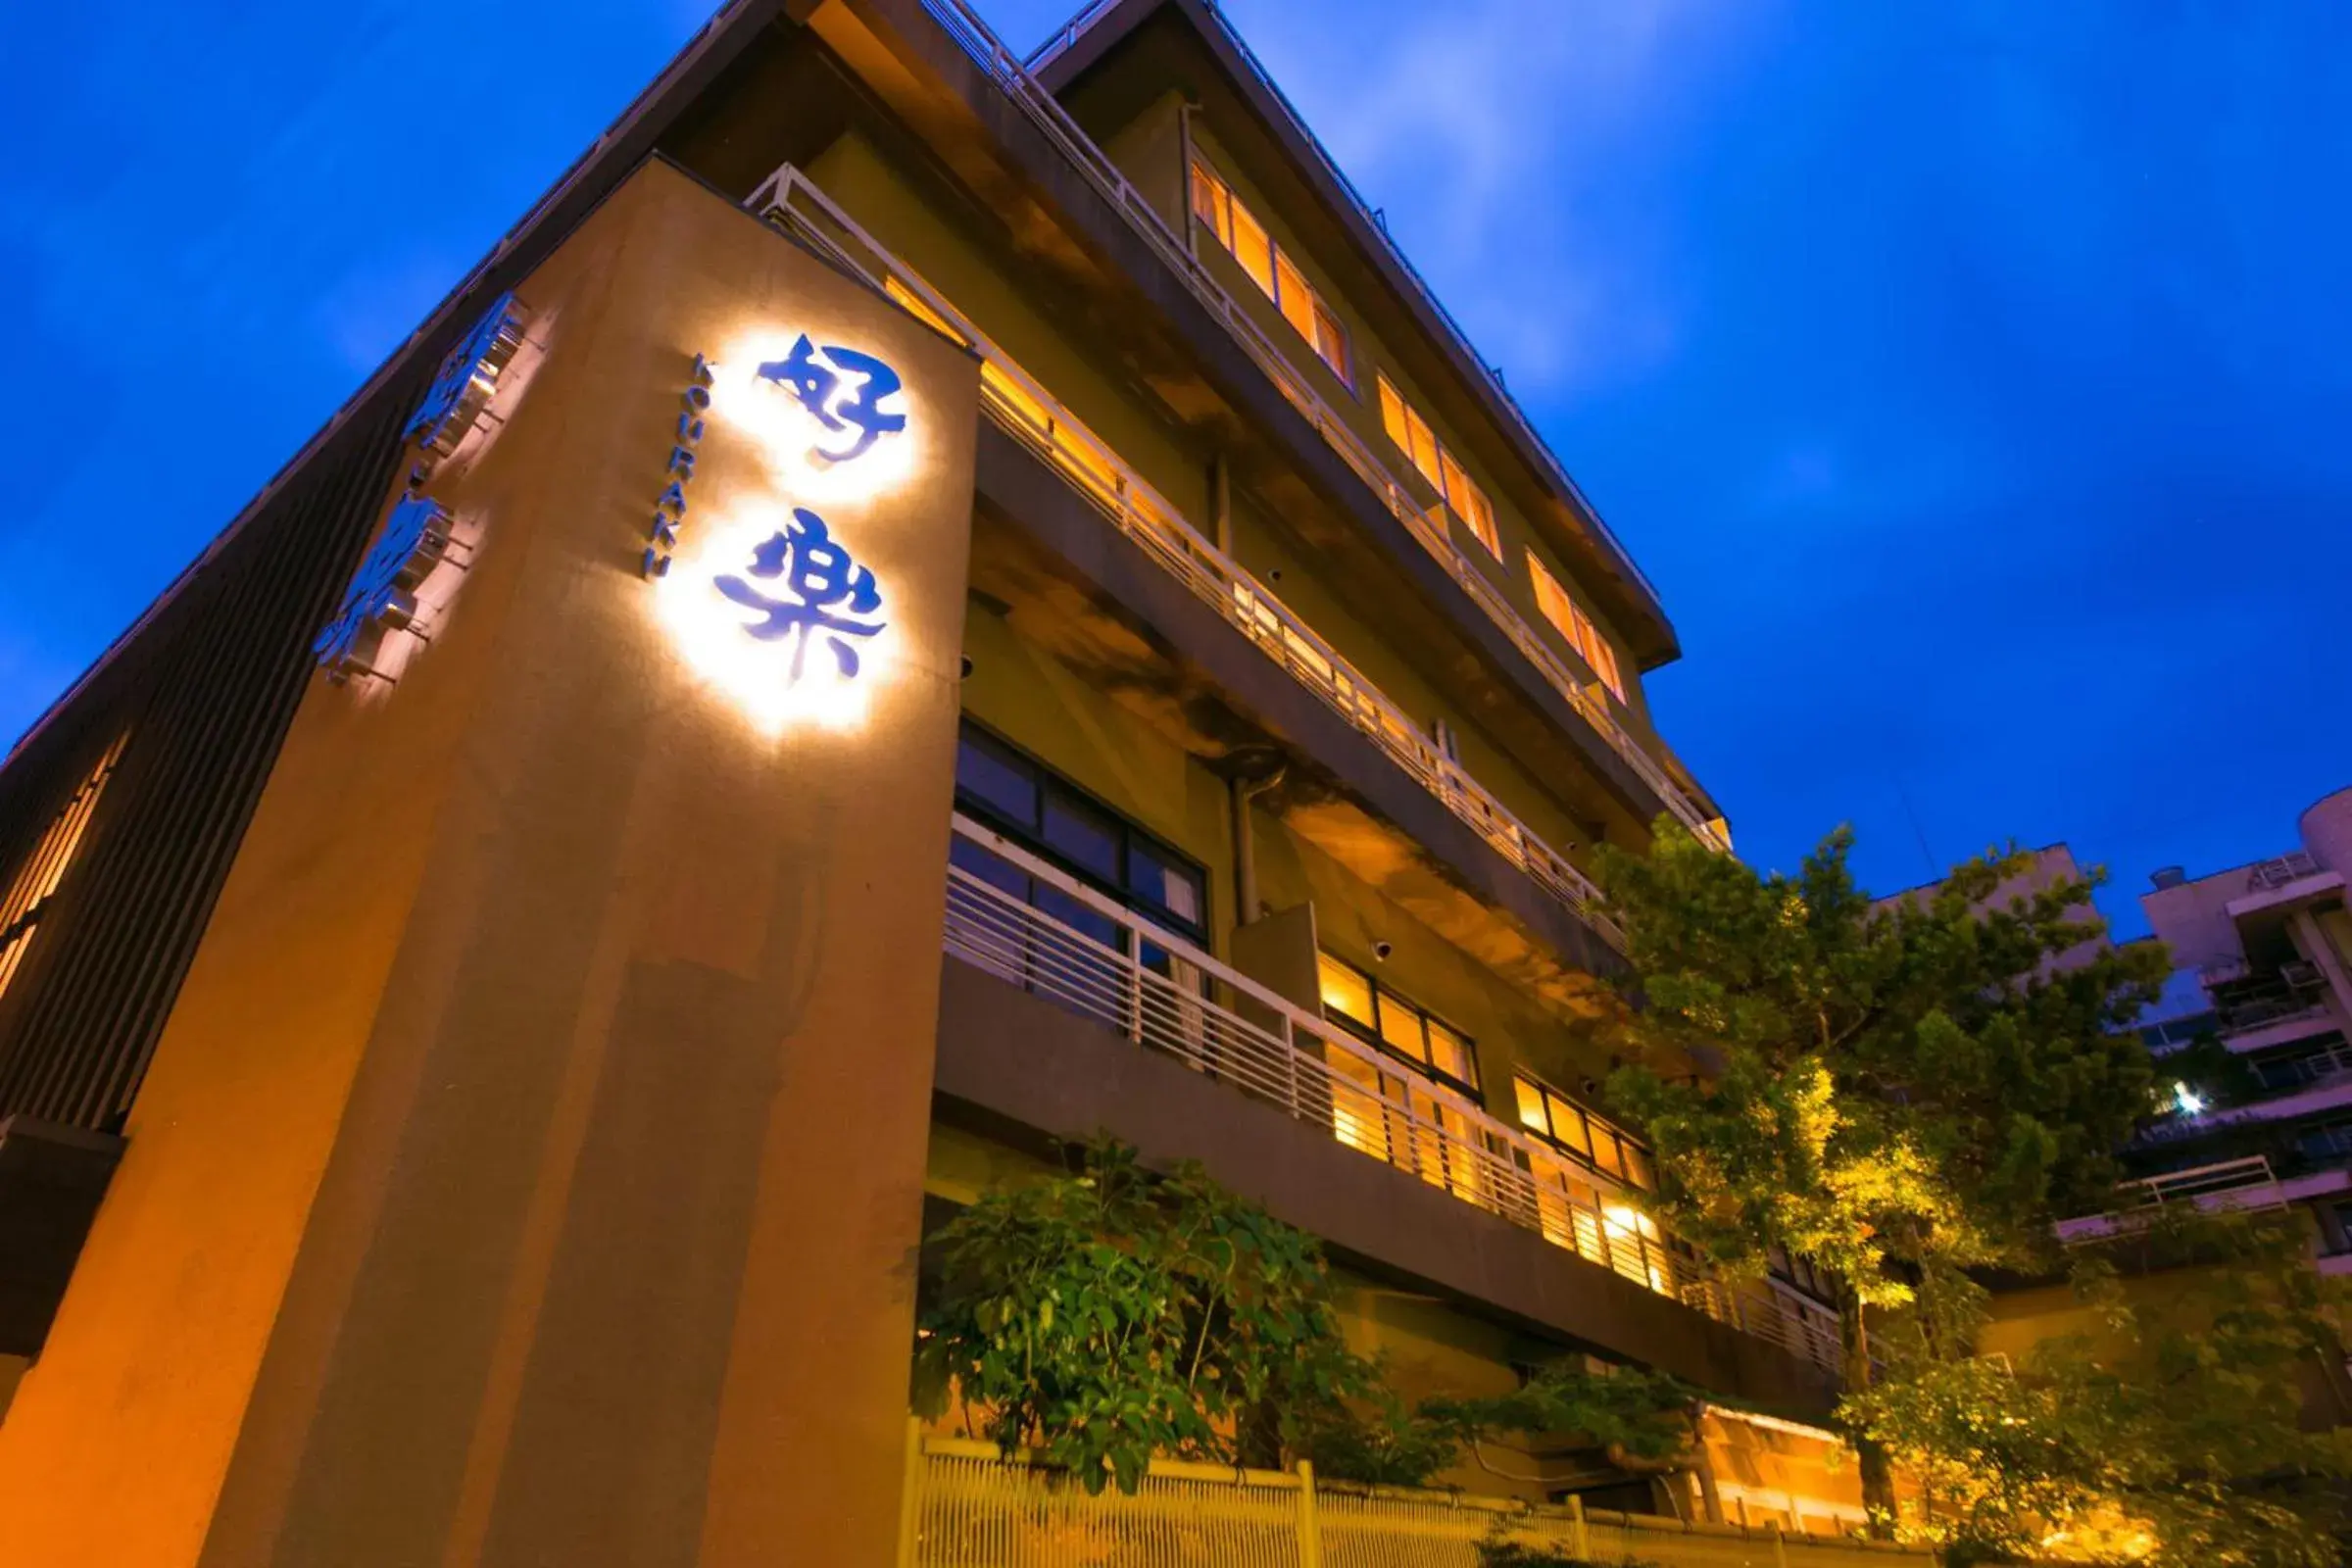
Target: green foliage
[(2170, 1436), (1879, 1086), (1112, 1315), (1115, 1314), (1896, 1090)]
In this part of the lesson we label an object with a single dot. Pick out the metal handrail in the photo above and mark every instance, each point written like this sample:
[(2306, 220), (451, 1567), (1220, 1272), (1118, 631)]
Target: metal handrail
[(1378, 225), (1425, 523), (1026, 410), (1165, 994)]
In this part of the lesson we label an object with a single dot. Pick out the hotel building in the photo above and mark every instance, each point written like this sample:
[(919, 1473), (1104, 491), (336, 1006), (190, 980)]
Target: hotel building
[(921, 602)]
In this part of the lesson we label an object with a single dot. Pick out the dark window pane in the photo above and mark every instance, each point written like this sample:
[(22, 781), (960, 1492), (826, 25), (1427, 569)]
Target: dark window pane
[(1070, 912), (1082, 836), (989, 868), (987, 777), (1165, 884)]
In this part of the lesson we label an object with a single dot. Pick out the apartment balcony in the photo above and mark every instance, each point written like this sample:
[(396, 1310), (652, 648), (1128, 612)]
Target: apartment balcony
[(1092, 1018), (1076, 162), (1183, 556)]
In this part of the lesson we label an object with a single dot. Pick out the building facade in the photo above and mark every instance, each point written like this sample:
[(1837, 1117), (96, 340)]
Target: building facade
[(2263, 964), (921, 603)]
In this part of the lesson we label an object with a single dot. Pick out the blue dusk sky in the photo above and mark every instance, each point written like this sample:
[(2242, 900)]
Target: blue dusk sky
[(1974, 379)]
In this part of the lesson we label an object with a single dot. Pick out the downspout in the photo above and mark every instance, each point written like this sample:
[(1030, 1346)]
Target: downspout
[(1244, 790)]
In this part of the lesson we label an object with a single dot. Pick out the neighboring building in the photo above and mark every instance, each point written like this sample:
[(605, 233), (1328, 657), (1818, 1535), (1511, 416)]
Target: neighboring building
[(886, 499), (2261, 957)]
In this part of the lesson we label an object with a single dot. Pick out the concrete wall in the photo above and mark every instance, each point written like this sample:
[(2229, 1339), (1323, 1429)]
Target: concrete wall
[(555, 1033)]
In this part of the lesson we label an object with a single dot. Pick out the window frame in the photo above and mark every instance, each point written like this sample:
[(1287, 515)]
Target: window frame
[(1045, 782), (1224, 214), (1639, 1172), (1374, 1032), (1406, 427), (1579, 630)]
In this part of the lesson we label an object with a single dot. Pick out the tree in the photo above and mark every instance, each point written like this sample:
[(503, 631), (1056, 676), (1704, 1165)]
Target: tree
[(1111, 1314), (1898, 1090), (2167, 1436), (1115, 1314)]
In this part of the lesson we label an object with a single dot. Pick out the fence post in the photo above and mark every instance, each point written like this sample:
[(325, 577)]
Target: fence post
[(1580, 1538), (1310, 1530), (1780, 1547), (910, 1493)]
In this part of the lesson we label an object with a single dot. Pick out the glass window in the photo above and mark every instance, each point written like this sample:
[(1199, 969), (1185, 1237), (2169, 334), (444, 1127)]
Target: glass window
[(1345, 991), (1481, 517), (1331, 343), (1575, 627), (1252, 249), (1273, 269), (1400, 1028), (1053, 820), (1569, 1127), (1164, 882), (1531, 1108), (1378, 1014), (1295, 298), (1215, 205), (1391, 417), (987, 777), (1081, 836), (1449, 1053)]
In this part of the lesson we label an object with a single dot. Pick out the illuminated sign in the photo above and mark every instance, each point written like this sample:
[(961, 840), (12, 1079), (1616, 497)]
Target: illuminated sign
[(766, 572), (814, 378), (467, 380), (382, 596), (823, 590), (392, 599), (669, 510)]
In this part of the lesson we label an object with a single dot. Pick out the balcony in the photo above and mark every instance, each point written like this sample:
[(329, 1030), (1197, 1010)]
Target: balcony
[(1024, 409), (1427, 524), (2246, 1183), (1097, 959)]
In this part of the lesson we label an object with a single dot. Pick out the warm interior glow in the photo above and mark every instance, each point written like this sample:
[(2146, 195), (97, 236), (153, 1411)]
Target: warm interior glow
[(790, 438), (756, 675)]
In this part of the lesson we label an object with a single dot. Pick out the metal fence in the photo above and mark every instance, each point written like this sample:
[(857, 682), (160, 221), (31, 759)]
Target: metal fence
[(1166, 995), (1426, 522), (968, 1507)]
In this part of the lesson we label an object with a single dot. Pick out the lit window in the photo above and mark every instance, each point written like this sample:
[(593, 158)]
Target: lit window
[(1413, 437), (1272, 268), (1373, 1013), (1574, 625), (27, 895), (1573, 1130)]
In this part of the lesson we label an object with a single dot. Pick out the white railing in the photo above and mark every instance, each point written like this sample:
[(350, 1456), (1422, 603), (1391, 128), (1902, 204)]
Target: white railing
[(1029, 413), (2280, 870), (2247, 1184), (1426, 522), (1166, 995)]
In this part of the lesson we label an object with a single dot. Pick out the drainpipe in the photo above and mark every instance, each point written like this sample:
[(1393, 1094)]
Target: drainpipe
[(1245, 789), (1220, 504)]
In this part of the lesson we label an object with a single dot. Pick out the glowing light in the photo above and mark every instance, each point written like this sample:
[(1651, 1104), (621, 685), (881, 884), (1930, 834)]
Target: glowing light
[(757, 676), (2187, 1100), (792, 441)]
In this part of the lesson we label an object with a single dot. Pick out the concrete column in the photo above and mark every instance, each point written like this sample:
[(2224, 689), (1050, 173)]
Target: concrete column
[(531, 1169)]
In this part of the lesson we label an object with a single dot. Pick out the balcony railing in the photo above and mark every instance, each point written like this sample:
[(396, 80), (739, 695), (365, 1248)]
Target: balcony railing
[(2277, 872), (1426, 522), (1166, 995), (2247, 1184), (1030, 414), (1377, 223)]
